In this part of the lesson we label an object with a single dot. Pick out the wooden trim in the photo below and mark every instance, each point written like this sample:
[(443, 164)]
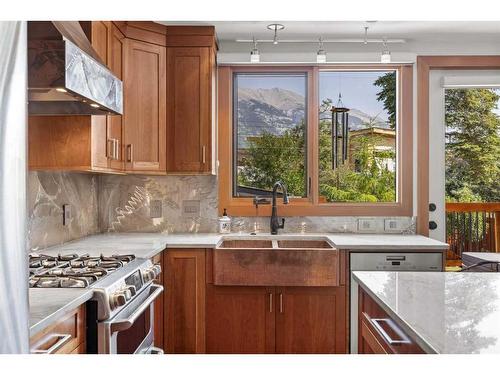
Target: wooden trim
[(424, 65), (472, 207), (144, 31), (311, 205)]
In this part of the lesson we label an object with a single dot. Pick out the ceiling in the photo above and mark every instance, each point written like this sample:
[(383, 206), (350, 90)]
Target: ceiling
[(411, 31)]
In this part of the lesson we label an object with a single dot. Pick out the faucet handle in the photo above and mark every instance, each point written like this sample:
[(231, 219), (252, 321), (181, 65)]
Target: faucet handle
[(282, 225)]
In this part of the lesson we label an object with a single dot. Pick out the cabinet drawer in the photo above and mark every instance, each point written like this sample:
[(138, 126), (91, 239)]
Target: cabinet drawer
[(63, 337), (378, 333)]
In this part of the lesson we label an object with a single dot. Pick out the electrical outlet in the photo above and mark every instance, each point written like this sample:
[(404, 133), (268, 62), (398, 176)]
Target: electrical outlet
[(67, 214), (155, 208), (191, 208), (366, 225), (392, 225)]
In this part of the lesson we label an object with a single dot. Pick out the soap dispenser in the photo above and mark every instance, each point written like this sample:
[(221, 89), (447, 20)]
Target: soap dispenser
[(225, 223)]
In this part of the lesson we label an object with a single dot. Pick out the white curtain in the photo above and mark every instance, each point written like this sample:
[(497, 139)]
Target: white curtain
[(14, 317)]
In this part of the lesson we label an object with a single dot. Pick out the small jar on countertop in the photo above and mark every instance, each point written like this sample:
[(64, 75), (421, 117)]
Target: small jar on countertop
[(225, 223)]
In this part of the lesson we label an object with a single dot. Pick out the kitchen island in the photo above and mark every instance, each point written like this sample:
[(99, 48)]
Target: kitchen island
[(437, 312)]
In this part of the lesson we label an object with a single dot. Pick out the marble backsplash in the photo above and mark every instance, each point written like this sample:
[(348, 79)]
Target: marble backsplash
[(109, 203), (125, 203), (47, 192)]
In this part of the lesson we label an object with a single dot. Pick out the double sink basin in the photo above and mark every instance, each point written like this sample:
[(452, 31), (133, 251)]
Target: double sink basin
[(276, 262)]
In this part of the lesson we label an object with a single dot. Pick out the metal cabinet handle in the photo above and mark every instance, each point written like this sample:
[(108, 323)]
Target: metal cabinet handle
[(281, 302), (117, 149), (111, 148), (403, 338), (203, 155), (130, 154), (63, 338), (270, 302), (123, 324)]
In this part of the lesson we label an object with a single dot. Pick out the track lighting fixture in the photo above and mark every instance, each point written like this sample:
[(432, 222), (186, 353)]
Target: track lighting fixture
[(275, 27), (321, 55), (254, 53), (386, 54)]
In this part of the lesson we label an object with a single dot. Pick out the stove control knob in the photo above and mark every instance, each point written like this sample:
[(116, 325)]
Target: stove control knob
[(131, 290), (148, 275), (118, 299), (127, 293), (157, 270)]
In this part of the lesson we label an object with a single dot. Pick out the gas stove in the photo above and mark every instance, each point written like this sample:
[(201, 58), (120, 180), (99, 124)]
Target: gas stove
[(120, 314), (72, 270)]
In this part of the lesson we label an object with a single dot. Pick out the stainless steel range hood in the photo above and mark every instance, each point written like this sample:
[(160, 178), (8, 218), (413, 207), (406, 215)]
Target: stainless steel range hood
[(65, 74)]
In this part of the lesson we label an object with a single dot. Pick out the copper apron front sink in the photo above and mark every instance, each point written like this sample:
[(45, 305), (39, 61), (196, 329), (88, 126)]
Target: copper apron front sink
[(246, 244), (304, 244), (293, 264)]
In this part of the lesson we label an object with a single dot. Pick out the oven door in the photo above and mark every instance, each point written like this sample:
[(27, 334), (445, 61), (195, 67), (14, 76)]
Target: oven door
[(132, 330)]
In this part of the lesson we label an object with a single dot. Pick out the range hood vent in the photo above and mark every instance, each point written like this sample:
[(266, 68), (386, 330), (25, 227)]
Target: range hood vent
[(65, 74)]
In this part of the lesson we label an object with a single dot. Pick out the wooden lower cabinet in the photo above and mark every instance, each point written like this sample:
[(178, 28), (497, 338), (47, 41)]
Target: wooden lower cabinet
[(200, 317), (275, 320), (310, 320), (240, 320), (374, 323), (67, 336), (184, 300)]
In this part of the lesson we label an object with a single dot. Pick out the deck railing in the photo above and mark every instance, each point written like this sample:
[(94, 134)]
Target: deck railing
[(472, 227)]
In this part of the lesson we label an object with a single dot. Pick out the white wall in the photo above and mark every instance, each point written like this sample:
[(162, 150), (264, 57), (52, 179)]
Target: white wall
[(230, 52)]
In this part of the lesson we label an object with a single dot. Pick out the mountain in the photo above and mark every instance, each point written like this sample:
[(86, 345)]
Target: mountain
[(273, 110), (276, 110)]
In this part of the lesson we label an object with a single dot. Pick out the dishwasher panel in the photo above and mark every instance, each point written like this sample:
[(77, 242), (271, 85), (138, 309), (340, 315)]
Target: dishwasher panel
[(385, 261)]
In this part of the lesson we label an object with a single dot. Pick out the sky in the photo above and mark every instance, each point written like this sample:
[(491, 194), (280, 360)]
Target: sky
[(357, 88)]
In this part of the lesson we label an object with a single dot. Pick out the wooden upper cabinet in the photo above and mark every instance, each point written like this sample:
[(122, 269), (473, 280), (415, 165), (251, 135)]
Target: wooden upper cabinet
[(115, 148), (189, 109), (100, 32), (144, 115)]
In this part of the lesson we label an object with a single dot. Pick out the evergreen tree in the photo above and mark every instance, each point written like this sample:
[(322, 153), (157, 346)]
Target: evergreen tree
[(387, 95), (473, 145)]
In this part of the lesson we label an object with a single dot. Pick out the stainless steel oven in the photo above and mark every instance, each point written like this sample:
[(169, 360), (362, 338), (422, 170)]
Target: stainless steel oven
[(131, 331)]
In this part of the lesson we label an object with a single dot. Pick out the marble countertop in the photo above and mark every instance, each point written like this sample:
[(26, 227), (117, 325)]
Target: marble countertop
[(147, 245), (444, 312), (47, 305)]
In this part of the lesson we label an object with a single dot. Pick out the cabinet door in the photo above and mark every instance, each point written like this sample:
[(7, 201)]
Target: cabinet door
[(100, 31), (189, 109), (184, 310), (99, 36), (240, 320), (144, 107), (114, 123), (310, 320), (378, 333)]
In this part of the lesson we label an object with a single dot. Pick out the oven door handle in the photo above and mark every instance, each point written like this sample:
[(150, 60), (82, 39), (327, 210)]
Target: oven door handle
[(123, 324)]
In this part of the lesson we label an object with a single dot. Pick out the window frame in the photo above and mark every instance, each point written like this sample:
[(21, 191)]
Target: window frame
[(234, 122), (310, 205)]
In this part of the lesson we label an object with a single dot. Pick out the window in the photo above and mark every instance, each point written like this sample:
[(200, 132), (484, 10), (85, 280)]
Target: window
[(276, 123), (269, 133), (357, 136)]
